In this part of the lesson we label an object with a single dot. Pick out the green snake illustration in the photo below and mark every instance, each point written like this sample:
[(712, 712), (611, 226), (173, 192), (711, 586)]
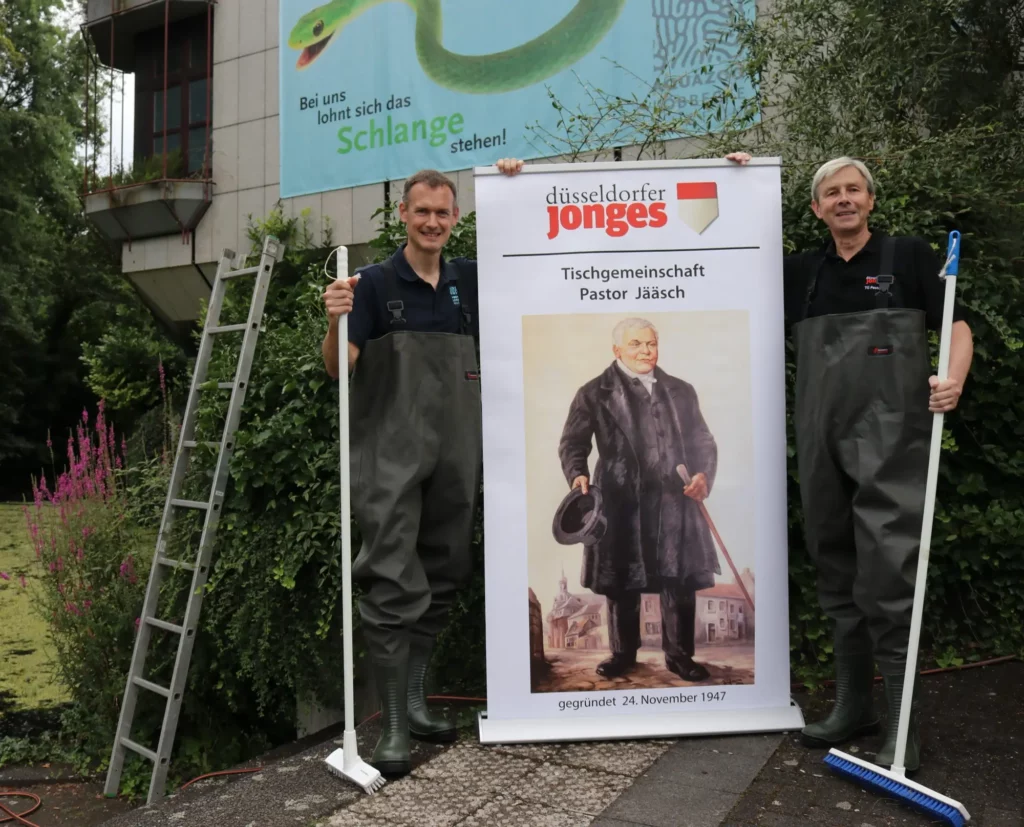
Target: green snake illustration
[(573, 37)]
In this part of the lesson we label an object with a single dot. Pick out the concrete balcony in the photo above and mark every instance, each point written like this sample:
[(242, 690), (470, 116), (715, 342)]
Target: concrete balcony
[(148, 209), (114, 24)]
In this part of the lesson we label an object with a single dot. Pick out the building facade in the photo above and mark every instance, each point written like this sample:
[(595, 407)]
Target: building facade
[(220, 61)]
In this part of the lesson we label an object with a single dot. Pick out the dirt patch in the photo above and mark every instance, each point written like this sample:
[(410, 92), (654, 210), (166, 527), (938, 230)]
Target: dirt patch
[(65, 805)]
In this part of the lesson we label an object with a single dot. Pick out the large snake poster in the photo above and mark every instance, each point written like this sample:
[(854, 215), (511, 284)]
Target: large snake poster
[(372, 90)]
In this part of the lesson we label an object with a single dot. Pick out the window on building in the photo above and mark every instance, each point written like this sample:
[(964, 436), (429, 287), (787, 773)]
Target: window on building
[(721, 622), (732, 608), (740, 609), (711, 605), (721, 605), (188, 122), (732, 625)]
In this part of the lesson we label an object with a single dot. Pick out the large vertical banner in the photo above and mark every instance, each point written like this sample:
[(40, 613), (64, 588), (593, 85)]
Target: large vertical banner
[(631, 319), (373, 90)]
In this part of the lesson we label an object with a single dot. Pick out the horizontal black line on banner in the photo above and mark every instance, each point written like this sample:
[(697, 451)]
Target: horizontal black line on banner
[(631, 252)]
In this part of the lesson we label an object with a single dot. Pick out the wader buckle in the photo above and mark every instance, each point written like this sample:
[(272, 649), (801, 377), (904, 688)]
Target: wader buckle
[(396, 309), (884, 283)]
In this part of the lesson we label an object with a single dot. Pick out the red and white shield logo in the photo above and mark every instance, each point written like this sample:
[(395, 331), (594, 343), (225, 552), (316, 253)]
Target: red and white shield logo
[(698, 204)]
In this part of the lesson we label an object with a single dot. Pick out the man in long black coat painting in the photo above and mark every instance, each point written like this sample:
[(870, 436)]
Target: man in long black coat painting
[(645, 423)]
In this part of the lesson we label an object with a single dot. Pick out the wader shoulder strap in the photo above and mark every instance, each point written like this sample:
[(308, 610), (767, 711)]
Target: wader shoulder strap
[(396, 308), (885, 276), (459, 300)]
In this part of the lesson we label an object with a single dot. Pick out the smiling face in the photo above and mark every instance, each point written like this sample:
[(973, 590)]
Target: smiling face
[(638, 349), (844, 202), (429, 214)]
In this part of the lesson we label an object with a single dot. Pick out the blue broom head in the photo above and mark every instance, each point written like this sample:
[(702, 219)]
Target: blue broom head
[(902, 792)]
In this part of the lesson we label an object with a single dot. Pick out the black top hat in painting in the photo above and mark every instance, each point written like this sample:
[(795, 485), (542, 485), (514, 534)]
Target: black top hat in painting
[(579, 518)]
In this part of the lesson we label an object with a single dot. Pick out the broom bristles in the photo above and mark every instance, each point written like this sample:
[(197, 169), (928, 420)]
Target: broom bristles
[(916, 795)]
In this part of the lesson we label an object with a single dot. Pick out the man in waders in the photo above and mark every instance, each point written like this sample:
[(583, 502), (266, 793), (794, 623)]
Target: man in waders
[(415, 451), (860, 307)]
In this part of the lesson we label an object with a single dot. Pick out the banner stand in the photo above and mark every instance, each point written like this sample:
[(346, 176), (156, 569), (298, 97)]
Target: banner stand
[(655, 725)]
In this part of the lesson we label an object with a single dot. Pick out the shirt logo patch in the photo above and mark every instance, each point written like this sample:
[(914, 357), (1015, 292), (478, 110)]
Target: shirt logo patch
[(454, 293), (871, 283), (880, 350)]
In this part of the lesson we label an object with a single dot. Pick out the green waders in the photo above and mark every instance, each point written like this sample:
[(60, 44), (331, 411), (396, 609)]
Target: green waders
[(863, 429), (416, 461)]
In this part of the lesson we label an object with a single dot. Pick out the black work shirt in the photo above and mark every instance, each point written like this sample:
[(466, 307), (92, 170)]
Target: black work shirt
[(851, 286), (425, 309)]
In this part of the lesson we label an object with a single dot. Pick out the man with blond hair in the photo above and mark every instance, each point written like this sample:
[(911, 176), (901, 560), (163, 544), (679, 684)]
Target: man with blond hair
[(860, 307)]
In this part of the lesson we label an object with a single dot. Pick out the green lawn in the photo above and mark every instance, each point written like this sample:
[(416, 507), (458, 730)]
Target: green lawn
[(25, 651)]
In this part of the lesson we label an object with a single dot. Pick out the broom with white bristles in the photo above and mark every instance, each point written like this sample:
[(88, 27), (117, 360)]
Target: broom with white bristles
[(345, 762), (893, 781)]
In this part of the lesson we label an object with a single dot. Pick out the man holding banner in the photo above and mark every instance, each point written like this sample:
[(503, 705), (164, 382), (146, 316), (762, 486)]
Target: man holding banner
[(415, 452), (860, 308)]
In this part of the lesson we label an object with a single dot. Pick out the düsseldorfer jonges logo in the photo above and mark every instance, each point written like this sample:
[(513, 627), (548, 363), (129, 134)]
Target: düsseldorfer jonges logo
[(616, 210)]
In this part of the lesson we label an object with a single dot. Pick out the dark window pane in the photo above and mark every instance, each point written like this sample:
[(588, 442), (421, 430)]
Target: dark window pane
[(197, 51), (197, 101), (196, 148), (173, 108), (173, 143)]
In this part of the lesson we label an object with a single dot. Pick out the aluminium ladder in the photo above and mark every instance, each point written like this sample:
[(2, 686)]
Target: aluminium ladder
[(272, 251)]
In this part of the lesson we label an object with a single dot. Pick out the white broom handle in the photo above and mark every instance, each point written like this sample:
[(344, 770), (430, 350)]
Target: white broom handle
[(346, 506), (949, 270)]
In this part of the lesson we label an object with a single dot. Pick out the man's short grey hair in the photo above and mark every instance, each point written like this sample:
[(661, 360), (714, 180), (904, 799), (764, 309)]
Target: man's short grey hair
[(633, 323), (830, 168)]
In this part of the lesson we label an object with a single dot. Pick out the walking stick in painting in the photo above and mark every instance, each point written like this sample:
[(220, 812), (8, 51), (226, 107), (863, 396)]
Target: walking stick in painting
[(685, 476)]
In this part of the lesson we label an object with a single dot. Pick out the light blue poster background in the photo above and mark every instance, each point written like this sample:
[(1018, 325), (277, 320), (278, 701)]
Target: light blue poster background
[(335, 111)]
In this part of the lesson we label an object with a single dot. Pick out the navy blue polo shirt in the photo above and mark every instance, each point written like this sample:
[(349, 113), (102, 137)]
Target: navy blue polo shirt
[(425, 309), (851, 286)]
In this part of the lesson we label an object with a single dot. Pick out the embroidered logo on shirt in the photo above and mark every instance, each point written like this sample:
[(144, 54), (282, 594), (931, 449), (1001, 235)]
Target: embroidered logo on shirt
[(880, 350), (871, 283), (454, 292)]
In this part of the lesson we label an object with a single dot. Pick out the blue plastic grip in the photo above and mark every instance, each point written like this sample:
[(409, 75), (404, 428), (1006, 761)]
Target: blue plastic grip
[(953, 250)]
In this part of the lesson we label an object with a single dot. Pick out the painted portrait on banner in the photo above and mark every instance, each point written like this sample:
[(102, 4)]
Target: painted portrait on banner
[(633, 422)]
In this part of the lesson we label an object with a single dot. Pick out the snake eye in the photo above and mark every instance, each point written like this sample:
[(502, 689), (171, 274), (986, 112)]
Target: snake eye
[(318, 28)]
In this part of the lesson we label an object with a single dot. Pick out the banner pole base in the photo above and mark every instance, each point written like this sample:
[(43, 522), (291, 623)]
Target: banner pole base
[(621, 727)]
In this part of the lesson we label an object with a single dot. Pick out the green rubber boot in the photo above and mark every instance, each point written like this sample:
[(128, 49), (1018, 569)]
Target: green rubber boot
[(894, 700), (391, 756), (423, 724), (853, 712)]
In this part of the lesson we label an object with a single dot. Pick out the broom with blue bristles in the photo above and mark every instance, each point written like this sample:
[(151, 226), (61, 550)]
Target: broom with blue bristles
[(893, 781)]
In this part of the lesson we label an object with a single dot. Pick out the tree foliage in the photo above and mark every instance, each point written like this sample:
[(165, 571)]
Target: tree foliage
[(60, 285), (940, 120)]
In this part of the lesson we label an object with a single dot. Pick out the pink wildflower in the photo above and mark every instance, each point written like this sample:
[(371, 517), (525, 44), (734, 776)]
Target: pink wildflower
[(85, 416), (4, 575), (24, 584)]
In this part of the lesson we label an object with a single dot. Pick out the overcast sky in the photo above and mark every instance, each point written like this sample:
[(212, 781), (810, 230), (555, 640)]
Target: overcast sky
[(123, 110)]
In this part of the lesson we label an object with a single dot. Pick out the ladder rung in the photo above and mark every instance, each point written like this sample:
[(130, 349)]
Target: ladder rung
[(191, 443), (191, 504), (167, 627), (152, 687), (245, 271), (226, 386), (175, 564), (141, 750), (228, 328)]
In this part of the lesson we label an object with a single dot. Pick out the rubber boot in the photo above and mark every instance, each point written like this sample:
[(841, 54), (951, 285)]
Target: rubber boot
[(391, 756), (894, 700), (853, 712), (423, 724)]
